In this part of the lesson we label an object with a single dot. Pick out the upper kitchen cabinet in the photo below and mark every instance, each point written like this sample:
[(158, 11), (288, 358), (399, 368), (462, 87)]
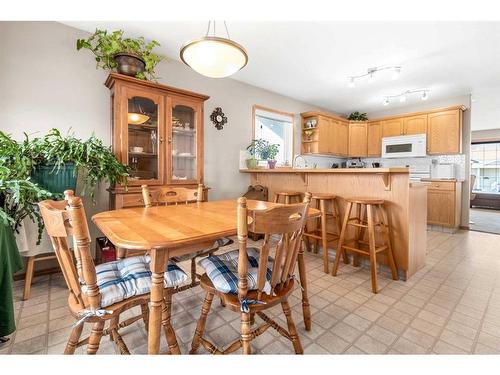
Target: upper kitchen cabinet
[(444, 132), (324, 134), (392, 127), (157, 131), (358, 139), (415, 124), (374, 139)]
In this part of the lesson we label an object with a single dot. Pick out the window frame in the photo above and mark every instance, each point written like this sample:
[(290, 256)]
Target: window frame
[(480, 142), (257, 107)]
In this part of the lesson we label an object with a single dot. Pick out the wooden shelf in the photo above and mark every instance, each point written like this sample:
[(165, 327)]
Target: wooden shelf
[(143, 154)]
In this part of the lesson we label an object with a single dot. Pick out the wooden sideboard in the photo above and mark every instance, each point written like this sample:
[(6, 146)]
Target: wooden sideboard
[(157, 131), (334, 135)]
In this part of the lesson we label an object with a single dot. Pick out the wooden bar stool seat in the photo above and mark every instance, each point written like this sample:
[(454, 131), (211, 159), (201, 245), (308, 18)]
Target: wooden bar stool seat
[(321, 232), (288, 197), (370, 214)]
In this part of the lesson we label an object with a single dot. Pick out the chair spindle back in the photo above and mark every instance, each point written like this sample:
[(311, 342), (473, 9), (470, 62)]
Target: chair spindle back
[(67, 218), (171, 195), (284, 222)]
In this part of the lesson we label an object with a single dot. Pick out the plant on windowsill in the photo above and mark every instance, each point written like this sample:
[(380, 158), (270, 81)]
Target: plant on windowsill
[(130, 56), (267, 151), (356, 116), (252, 161)]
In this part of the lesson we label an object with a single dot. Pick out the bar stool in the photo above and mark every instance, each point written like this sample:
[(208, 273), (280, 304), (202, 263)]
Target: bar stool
[(366, 211), (321, 233), (288, 197)]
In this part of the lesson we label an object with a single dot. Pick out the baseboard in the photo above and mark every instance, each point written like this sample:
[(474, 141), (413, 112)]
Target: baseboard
[(47, 271)]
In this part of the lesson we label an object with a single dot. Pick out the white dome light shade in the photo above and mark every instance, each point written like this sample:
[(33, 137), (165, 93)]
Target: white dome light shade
[(214, 57)]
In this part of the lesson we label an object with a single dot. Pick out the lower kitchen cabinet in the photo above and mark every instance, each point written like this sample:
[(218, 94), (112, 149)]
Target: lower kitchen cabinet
[(444, 198)]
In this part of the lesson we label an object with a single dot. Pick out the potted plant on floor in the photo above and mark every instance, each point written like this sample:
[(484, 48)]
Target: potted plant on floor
[(36, 169), (267, 151), (130, 56)]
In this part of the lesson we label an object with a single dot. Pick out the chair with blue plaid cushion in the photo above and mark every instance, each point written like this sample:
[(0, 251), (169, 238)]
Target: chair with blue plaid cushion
[(100, 294), (167, 195), (250, 281)]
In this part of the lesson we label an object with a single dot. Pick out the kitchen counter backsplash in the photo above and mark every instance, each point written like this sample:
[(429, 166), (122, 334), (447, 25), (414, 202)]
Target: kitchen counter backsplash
[(428, 162)]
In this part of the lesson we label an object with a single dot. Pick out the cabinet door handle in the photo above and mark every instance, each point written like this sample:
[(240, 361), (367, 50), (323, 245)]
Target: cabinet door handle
[(161, 139)]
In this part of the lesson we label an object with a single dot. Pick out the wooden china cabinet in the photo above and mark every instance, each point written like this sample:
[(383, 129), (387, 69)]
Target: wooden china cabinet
[(157, 131)]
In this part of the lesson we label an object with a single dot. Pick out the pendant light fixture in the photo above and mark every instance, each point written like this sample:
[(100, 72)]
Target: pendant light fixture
[(213, 56), (136, 115)]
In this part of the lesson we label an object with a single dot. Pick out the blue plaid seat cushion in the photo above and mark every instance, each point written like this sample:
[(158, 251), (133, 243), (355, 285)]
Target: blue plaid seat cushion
[(222, 270), (130, 277)]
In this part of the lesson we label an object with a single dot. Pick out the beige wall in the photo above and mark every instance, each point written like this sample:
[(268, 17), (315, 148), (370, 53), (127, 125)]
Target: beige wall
[(46, 83)]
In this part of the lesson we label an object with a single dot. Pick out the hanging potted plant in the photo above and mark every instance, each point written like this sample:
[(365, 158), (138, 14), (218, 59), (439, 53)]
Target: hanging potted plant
[(130, 56), (267, 151)]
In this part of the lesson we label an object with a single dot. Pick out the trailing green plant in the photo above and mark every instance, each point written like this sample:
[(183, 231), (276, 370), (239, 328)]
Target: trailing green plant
[(105, 46), (94, 161), (18, 194), (356, 116), (265, 150)]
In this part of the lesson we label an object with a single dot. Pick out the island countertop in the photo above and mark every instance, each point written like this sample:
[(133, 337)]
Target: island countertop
[(327, 170), (405, 201)]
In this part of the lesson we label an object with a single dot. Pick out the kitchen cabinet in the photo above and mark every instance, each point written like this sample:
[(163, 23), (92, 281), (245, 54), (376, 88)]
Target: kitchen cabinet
[(444, 132), (358, 139), (374, 141), (340, 138), (444, 199), (415, 124), (392, 127), (329, 135), (157, 131)]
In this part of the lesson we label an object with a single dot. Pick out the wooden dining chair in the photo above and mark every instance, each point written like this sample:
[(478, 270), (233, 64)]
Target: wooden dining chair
[(100, 294), (165, 196), (249, 281)]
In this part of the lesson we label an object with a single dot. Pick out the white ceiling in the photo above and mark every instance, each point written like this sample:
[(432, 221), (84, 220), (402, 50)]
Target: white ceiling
[(311, 61)]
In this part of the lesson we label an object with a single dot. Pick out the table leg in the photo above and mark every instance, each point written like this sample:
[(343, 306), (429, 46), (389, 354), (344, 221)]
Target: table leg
[(306, 309), (157, 266)]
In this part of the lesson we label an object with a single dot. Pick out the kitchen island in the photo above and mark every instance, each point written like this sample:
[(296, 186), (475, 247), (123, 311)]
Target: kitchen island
[(406, 201)]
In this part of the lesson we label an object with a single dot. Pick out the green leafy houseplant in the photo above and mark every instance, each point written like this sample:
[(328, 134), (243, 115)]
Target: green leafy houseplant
[(105, 46), (18, 194), (20, 160), (267, 151), (356, 116)]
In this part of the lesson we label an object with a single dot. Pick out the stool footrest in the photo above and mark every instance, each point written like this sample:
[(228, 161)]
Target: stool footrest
[(365, 252)]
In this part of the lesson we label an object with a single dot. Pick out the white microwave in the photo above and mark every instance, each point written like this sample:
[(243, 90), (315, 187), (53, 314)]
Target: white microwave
[(405, 146)]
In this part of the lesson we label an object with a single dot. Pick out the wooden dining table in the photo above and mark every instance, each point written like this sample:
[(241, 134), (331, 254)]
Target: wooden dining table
[(170, 231)]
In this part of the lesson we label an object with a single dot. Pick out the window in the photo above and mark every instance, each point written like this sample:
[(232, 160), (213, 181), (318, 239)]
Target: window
[(276, 127), (485, 165)]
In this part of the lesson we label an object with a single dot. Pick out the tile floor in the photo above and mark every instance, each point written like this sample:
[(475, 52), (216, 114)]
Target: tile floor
[(485, 220), (452, 306)]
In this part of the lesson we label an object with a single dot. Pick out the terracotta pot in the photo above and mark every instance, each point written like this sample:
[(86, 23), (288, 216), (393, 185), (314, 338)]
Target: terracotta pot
[(129, 64), (271, 164)]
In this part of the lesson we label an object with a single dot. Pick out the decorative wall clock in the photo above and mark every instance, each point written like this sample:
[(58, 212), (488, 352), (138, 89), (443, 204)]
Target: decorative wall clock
[(218, 118)]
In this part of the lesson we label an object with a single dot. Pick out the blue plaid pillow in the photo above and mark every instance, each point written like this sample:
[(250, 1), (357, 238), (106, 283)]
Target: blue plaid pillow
[(130, 277), (222, 270)]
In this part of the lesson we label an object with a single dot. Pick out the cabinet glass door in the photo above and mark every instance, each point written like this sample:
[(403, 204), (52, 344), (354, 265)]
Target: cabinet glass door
[(143, 139), (184, 128)]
